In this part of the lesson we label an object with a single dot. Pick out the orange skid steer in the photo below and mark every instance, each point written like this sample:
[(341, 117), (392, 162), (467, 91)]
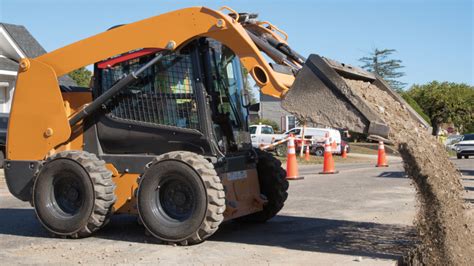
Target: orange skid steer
[(162, 132)]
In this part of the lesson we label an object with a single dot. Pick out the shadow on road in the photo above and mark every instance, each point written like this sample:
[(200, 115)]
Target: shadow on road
[(393, 174), (324, 235), (291, 232)]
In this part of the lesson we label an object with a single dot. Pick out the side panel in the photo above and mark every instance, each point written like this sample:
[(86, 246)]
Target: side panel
[(38, 120), (242, 193)]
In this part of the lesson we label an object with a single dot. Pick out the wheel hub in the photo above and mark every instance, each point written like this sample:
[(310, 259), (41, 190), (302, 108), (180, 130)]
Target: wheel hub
[(176, 199)]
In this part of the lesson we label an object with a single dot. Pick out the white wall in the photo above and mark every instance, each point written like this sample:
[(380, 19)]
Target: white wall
[(7, 85)]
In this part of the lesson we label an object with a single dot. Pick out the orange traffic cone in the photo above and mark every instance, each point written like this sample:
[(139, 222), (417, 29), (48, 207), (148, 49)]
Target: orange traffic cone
[(306, 156), (344, 152), (291, 164), (382, 159), (328, 166)]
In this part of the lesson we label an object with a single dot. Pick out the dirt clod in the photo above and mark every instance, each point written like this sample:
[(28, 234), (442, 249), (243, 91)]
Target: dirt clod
[(445, 232)]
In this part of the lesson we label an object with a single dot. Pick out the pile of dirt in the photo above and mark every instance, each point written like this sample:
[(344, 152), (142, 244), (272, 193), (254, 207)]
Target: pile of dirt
[(445, 232), (444, 229)]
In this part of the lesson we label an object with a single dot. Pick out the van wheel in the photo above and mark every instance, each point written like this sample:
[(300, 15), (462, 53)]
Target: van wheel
[(273, 185), (459, 156), (319, 151), (73, 194), (180, 198), (466, 156)]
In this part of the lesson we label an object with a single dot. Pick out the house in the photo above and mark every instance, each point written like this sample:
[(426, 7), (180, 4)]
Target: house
[(270, 108), (15, 43)]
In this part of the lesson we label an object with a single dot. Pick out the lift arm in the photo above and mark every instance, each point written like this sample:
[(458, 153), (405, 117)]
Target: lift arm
[(38, 114)]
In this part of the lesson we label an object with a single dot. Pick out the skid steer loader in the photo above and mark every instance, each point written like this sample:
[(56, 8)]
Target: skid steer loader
[(163, 133)]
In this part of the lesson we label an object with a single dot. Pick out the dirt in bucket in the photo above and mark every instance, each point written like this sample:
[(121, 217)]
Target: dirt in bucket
[(445, 231)]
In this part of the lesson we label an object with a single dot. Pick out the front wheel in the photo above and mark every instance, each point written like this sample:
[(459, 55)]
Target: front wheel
[(180, 198), (273, 185), (73, 194), (459, 156)]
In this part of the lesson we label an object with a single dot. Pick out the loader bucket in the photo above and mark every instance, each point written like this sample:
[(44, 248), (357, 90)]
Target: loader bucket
[(321, 94)]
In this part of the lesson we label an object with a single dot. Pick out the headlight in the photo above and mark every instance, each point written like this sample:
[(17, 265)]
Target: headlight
[(457, 148)]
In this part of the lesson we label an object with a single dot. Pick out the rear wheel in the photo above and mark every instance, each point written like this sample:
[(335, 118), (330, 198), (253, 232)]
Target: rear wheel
[(180, 198), (73, 194), (466, 156), (273, 185)]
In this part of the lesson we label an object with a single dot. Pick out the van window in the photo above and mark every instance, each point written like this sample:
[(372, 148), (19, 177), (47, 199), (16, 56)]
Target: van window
[(252, 130), (267, 130)]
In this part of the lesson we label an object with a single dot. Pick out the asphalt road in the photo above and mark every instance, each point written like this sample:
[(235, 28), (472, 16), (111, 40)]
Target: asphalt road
[(361, 216)]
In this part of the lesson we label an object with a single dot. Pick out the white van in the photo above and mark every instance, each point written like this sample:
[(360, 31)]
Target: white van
[(317, 135)]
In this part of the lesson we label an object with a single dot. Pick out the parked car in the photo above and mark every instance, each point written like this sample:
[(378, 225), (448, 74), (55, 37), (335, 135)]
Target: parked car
[(451, 141), (465, 147), (262, 135)]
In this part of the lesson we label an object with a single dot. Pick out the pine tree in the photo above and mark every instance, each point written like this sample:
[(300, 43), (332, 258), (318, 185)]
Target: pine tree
[(379, 62)]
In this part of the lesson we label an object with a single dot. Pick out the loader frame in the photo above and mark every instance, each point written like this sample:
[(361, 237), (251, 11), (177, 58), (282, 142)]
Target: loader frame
[(38, 89)]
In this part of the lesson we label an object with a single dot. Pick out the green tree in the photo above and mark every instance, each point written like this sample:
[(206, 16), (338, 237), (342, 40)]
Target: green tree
[(81, 76), (446, 102), (415, 106), (379, 62)]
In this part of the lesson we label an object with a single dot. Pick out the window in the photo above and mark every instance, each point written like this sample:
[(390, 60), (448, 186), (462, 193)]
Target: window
[(164, 94), (253, 130), (267, 130), (228, 85), (468, 137)]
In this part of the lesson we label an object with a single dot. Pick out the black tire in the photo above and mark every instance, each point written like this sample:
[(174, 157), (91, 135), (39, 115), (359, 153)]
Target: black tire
[(2, 158), (466, 156), (181, 198), (281, 150), (73, 194), (319, 151), (273, 185), (459, 156)]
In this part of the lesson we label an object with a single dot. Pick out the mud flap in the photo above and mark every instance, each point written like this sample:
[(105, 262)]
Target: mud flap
[(321, 95)]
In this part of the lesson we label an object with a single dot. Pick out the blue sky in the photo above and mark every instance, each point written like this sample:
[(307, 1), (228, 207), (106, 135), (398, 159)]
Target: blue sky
[(434, 39)]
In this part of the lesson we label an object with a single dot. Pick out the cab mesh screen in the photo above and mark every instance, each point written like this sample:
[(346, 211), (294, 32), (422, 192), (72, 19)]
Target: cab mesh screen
[(164, 94)]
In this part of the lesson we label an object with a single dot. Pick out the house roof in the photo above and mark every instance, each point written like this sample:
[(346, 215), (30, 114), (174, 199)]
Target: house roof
[(8, 64), (30, 47), (23, 38)]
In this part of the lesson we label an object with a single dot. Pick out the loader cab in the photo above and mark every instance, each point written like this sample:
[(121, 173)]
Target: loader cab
[(192, 100)]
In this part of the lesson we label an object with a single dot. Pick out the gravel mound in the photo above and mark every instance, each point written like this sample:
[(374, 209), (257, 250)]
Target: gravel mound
[(445, 231)]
